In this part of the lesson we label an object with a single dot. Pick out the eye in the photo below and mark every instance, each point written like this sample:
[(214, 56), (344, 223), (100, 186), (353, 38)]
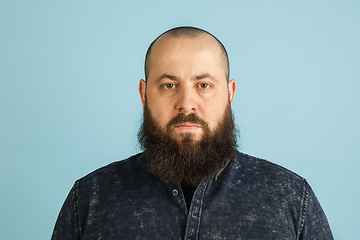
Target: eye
[(204, 85), (169, 85)]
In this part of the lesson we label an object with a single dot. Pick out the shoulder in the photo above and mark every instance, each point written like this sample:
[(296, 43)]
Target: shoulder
[(261, 171), (116, 172), (257, 165), (262, 165)]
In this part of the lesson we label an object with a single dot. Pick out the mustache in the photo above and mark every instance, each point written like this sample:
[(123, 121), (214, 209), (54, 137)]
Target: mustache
[(183, 118)]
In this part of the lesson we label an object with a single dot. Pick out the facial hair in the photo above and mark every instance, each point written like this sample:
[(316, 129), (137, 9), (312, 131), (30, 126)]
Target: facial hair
[(187, 161)]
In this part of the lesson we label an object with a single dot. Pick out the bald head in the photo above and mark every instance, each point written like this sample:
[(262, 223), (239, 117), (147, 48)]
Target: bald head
[(186, 32)]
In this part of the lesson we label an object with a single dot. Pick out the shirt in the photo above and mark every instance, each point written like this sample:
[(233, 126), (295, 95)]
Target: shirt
[(250, 198)]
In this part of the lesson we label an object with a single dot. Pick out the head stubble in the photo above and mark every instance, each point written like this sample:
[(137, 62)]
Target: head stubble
[(187, 161)]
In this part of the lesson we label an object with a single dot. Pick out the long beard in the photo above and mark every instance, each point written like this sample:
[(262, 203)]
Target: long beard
[(187, 161)]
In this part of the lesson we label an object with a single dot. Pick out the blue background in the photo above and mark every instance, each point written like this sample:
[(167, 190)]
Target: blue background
[(69, 103)]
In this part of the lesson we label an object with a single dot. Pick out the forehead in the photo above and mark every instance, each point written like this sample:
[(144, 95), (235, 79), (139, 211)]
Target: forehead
[(167, 44), (173, 51)]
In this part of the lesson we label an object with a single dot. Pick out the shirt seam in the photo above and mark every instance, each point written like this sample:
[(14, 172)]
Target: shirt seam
[(76, 209), (304, 207)]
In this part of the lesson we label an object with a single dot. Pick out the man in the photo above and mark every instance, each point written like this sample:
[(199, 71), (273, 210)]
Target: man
[(190, 182)]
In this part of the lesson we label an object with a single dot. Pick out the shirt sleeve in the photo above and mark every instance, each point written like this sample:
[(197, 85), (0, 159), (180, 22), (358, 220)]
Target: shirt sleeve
[(315, 223), (67, 224)]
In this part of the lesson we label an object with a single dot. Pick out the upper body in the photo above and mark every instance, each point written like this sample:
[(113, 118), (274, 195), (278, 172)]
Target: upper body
[(249, 199), (189, 140)]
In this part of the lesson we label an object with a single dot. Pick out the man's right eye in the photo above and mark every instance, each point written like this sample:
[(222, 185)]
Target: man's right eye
[(169, 85)]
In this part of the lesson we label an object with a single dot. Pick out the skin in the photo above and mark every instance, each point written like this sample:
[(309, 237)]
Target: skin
[(187, 75)]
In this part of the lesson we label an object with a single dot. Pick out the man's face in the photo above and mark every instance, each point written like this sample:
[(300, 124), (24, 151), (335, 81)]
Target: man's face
[(187, 75)]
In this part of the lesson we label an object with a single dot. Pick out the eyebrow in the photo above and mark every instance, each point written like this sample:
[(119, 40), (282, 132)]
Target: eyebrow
[(171, 77), (205, 75)]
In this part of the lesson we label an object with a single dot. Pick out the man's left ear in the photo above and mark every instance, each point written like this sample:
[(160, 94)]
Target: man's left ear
[(232, 89)]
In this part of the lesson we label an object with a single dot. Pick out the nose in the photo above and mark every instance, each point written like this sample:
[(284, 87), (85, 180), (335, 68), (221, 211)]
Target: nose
[(186, 102)]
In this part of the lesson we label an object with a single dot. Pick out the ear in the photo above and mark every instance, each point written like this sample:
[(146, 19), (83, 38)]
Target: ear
[(232, 89), (142, 90)]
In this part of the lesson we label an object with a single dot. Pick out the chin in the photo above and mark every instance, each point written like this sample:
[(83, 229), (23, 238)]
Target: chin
[(194, 135), (188, 137)]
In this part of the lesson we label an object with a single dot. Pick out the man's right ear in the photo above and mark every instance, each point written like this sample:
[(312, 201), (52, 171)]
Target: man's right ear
[(142, 90)]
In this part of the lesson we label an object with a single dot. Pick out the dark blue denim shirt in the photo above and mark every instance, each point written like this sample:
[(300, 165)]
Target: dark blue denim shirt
[(250, 199)]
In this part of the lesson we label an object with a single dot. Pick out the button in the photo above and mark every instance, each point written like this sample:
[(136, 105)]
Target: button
[(175, 192)]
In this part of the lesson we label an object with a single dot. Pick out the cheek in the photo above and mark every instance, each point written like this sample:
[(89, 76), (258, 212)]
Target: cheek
[(214, 113), (161, 112)]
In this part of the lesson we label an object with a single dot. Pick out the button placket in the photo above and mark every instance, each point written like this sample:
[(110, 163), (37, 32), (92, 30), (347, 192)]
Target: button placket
[(194, 217), (175, 192)]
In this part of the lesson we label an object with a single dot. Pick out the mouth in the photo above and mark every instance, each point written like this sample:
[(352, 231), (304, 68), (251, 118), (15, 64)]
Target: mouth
[(187, 126)]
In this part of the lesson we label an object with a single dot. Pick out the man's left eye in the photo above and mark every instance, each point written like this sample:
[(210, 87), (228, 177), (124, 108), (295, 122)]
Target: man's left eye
[(204, 85)]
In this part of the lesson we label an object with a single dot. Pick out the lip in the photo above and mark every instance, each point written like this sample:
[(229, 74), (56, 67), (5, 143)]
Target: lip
[(187, 126)]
